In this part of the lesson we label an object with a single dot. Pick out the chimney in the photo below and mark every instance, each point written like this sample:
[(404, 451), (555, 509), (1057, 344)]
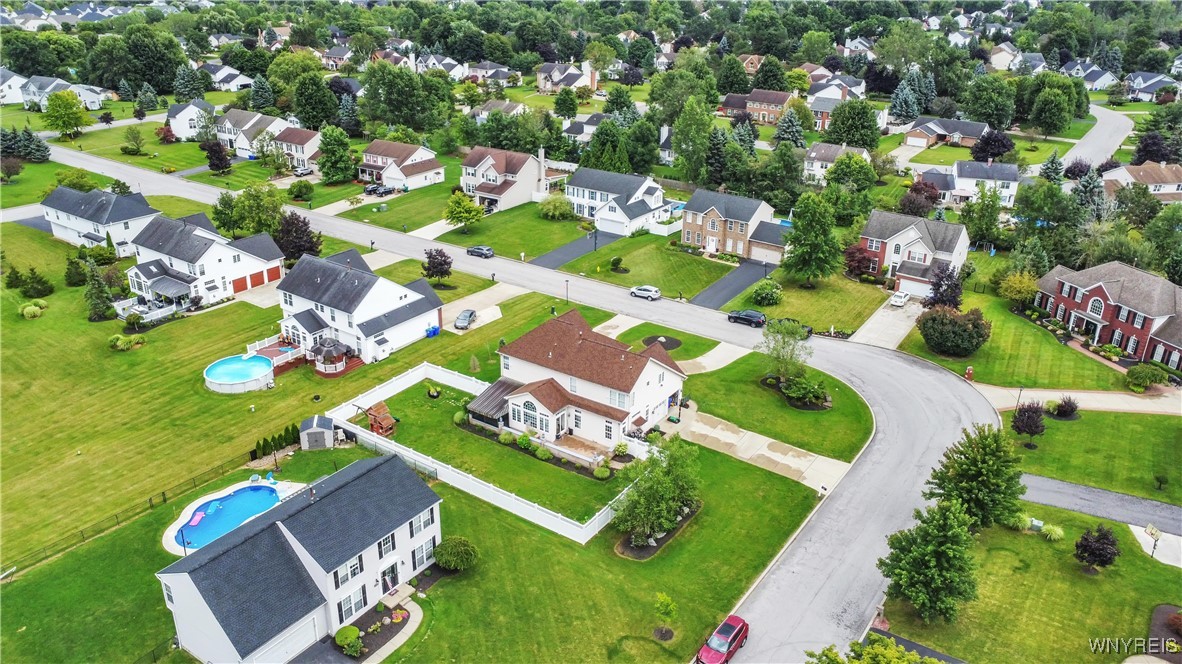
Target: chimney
[(989, 162)]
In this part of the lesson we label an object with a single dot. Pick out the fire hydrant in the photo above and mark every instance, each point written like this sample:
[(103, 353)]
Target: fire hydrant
[(968, 374)]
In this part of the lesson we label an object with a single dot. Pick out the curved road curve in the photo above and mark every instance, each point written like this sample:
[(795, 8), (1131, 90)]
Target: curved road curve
[(1103, 139), (824, 587)]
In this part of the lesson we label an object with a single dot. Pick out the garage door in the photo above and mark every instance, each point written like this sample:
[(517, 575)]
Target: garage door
[(917, 142), (765, 254), (272, 273), (295, 642), (240, 284), (256, 279), (916, 288)]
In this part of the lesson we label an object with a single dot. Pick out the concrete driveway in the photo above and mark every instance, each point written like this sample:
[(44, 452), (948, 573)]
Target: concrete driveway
[(904, 153), (485, 303), (888, 326)]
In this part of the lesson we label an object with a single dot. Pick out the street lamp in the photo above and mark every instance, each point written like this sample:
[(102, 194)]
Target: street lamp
[(594, 236)]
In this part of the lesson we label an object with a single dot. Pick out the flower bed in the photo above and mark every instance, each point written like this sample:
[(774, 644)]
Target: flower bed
[(553, 459), (379, 627), (624, 546), (836, 334), (819, 397)]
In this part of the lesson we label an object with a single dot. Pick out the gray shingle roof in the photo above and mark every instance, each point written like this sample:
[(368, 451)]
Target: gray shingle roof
[(156, 269), (943, 181), (350, 258), (174, 238), (310, 321), (201, 220), (98, 206), (825, 104), (6, 74), (619, 184), (949, 126), (427, 302), (939, 235), (981, 170), (46, 84), (338, 52), (317, 422), (920, 270), (329, 283), (829, 152), (770, 232), (1095, 74), (260, 245), (737, 208)]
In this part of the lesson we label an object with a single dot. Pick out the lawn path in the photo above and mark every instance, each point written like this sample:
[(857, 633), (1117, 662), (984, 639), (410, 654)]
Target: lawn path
[(1159, 401)]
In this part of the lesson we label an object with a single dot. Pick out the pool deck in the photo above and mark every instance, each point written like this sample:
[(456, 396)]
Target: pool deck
[(284, 489), (275, 350)]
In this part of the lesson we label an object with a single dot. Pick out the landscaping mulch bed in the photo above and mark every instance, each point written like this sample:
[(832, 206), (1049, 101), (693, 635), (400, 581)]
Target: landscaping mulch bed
[(425, 581), (623, 458), (667, 342), (1070, 418), (836, 334), (663, 634), (444, 287), (766, 383), (624, 546), (620, 270), (554, 461), (1159, 632), (387, 632)]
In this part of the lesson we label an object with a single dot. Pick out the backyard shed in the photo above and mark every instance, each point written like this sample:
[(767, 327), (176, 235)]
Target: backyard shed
[(317, 433)]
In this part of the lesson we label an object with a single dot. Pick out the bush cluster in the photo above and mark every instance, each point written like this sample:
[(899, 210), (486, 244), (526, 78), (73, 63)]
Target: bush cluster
[(949, 332), (1143, 375), (125, 343), (289, 436), (456, 553), (602, 472), (767, 293)]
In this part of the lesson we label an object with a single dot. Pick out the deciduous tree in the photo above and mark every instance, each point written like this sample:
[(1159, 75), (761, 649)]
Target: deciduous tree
[(335, 163), (813, 251), (948, 332), (983, 473), (462, 211), (770, 75), (565, 103), (786, 349), (931, 564), (852, 171), (946, 288), (690, 140), (437, 266), (1028, 421), (65, 114), (732, 77), (313, 103), (259, 207), (990, 99), (853, 123), (1097, 548)]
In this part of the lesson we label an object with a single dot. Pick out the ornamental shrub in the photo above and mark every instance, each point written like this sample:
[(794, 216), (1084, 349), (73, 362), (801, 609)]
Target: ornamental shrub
[(602, 472), (300, 190), (506, 438), (30, 312), (617, 261), (1019, 521), (543, 453), (459, 417), (948, 332), (353, 648), (1052, 533), (1139, 377), (347, 635), (1051, 406), (1066, 406), (621, 449), (524, 442), (35, 285), (1174, 622), (456, 553), (767, 293), (14, 278)]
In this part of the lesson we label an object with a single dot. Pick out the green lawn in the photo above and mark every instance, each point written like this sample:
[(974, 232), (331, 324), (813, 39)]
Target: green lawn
[(890, 192), (651, 261), (1078, 128), (14, 115), (30, 186), (946, 155), (459, 284), (106, 143), (135, 446), (836, 301), (691, 345), (516, 231), (1120, 452), (101, 602), (734, 393), (332, 245), (1033, 598), (585, 603), (888, 143), (323, 194), (414, 209), (1100, 98), (177, 207), (1124, 155), (242, 174), (426, 426)]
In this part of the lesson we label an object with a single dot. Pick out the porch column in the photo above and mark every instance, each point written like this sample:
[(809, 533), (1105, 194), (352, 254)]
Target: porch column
[(1096, 335)]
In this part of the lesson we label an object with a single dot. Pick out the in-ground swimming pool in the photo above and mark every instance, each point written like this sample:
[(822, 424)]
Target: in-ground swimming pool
[(214, 518), (239, 373)]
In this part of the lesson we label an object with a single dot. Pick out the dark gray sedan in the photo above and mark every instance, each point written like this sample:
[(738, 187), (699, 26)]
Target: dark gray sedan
[(465, 319)]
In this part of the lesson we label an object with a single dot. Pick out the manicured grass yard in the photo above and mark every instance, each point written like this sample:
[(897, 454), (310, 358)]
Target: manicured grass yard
[(890, 192), (516, 230), (1116, 451), (734, 393), (332, 245), (106, 143), (691, 345), (414, 209), (426, 426), (459, 284), (888, 143), (1036, 605), (101, 602), (836, 301), (651, 261), (1078, 128), (177, 207), (323, 194), (29, 187), (242, 174), (946, 155)]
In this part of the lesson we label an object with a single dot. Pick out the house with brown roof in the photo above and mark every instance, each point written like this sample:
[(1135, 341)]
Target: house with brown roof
[(735, 225), (1118, 304), (399, 165), (766, 106), (820, 157), (816, 73), (576, 389), (751, 62), (1163, 180), (912, 248), (302, 146), (501, 179)]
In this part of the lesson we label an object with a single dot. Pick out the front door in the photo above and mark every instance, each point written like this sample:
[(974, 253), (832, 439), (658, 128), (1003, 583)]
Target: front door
[(711, 245), (390, 578), (560, 429)]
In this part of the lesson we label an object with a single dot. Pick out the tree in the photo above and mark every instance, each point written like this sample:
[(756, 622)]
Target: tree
[(931, 565), (619, 100), (732, 77), (261, 94), (295, 237), (456, 554), (10, 167), (33, 148), (690, 140), (1019, 287), (166, 135), (982, 473), (147, 99), (335, 163), (853, 123), (904, 105), (120, 188), (1152, 146), (990, 99), (313, 103), (663, 485), (670, 91), (1097, 548), (347, 115), (223, 214), (945, 107), (852, 171), (948, 332), (1028, 421), (798, 80), (556, 207), (1089, 195), (858, 260), (877, 650), (643, 146), (76, 179), (153, 56), (1052, 113), (815, 46), (259, 208), (980, 217), (600, 56), (75, 272), (992, 145), (745, 139), (206, 128), (904, 44), (287, 68), (186, 85), (666, 610), (216, 156), (126, 92), (65, 114), (946, 288), (97, 295), (462, 211), (438, 264), (631, 76), (788, 130), (770, 75), (565, 103), (133, 140), (813, 252), (641, 52), (784, 343)]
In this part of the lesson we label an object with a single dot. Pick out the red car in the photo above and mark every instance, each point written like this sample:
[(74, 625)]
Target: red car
[(725, 641)]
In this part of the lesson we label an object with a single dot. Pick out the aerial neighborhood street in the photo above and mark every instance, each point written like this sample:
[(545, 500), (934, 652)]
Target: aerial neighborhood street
[(582, 331)]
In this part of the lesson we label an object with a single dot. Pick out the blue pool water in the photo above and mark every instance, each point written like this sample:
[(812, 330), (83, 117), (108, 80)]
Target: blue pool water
[(785, 222), (238, 369), (679, 207), (225, 514)]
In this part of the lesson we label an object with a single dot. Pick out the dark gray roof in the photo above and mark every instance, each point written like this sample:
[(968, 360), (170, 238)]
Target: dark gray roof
[(981, 170), (825, 104), (317, 422), (201, 220), (770, 232), (46, 84), (939, 235), (943, 181), (174, 238), (574, 129), (155, 269), (175, 109), (619, 184), (310, 321), (422, 305), (492, 401), (1035, 59), (737, 208), (1156, 85), (829, 152), (353, 83), (920, 270), (260, 245), (101, 207), (350, 258), (327, 282), (338, 52), (949, 126), (1096, 74), (6, 74), (254, 607)]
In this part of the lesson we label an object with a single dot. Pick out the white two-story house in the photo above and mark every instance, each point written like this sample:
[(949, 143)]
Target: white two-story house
[(186, 119), (226, 78), (10, 86), (1164, 181), (563, 379), (960, 186), (237, 129), (302, 146), (337, 307), (820, 157), (457, 71), (269, 589), (911, 248), (179, 259), (486, 70), (1144, 85), (618, 203), (36, 90), (502, 179), (87, 218), (400, 165)]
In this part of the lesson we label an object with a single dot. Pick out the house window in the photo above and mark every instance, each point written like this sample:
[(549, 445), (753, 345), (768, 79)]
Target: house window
[(167, 593), (713, 224), (347, 571), (1116, 337), (1138, 321), (544, 423), (351, 604), (578, 419), (617, 399), (127, 225), (607, 430), (1078, 295), (1059, 312), (1132, 345), (504, 362), (386, 545), (516, 414), (237, 258), (287, 299), (697, 238), (611, 208), (743, 228), (420, 522), (319, 307), (574, 384), (349, 320), (1096, 306), (423, 554), (898, 249), (689, 236), (874, 266), (1123, 315), (531, 414), (332, 314), (730, 225), (201, 269), (1066, 290), (873, 245)]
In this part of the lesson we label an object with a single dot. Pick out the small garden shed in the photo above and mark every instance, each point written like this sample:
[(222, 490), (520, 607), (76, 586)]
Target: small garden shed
[(317, 433)]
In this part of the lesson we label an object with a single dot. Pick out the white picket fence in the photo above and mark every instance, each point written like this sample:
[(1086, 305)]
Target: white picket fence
[(254, 346), (425, 371)]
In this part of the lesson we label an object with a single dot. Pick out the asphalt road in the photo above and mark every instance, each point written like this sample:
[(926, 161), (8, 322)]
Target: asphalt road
[(1119, 507), (824, 587), (1105, 137)]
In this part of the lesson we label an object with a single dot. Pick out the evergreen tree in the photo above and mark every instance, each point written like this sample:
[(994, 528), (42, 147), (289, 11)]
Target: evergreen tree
[(566, 105), (770, 75), (643, 146), (716, 156), (724, 45), (979, 70), (788, 130), (1052, 60), (261, 94), (743, 136), (931, 565), (601, 150), (313, 103), (1089, 194), (98, 296), (732, 77), (981, 471), (1116, 61), (75, 272), (347, 117), (1030, 257), (618, 100), (147, 99), (904, 105), (939, 214), (35, 148), (1052, 169), (186, 86), (813, 251), (126, 92), (928, 90)]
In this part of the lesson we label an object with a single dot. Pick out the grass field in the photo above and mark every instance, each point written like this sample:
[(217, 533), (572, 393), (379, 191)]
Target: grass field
[(1120, 452), (242, 174), (888, 143), (946, 155), (1078, 128), (177, 207), (1032, 593), (734, 394), (149, 422), (106, 143), (887, 195), (691, 345), (1100, 98), (836, 301), (459, 284), (651, 261), (516, 231), (323, 194), (414, 209), (30, 186)]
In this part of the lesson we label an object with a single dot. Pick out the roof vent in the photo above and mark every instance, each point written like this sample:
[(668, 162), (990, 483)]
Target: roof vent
[(317, 279), (355, 282)]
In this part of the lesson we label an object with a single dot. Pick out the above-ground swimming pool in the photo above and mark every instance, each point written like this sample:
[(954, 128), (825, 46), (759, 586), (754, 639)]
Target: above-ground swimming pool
[(216, 517), (239, 373)]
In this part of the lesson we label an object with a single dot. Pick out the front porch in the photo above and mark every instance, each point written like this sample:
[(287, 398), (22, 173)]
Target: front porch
[(1086, 325)]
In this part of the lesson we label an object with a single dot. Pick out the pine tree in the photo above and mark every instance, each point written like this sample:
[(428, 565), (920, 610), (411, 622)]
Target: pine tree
[(1089, 193), (75, 272), (10, 142), (743, 136), (1052, 169), (261, 95), (183, 84), (979, 70), (347, 117), (931, 565), (1052, 60), (716, 156), (146, 101), (724, 45), (126, 92), (788, 130), (1100, 54), (904, 105), (929, 91), (1116, 61), (938, 214), (98, 296), (981, 471), (35, 148)]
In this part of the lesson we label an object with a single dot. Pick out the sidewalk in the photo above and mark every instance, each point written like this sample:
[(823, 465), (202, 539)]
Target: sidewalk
[(432, 230), (716, 358), (1161, 400)]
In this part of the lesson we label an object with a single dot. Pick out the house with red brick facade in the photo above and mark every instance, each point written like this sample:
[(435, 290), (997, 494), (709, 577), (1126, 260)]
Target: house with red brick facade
[(1118, 304), (725, 223), (911, 248), (766, 106)]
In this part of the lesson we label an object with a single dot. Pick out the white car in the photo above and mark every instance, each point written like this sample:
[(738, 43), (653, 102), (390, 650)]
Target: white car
[(647, 292), (900, 298)]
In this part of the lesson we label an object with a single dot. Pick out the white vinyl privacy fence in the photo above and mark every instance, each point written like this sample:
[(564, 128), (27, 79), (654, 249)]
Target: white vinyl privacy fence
[(546, 518)]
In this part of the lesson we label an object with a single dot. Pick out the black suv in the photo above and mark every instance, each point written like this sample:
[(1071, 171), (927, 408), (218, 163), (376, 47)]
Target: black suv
[(372, 187), (383, 191), (747, 317)]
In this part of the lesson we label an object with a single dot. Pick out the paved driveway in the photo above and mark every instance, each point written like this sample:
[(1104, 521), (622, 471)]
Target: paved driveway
[(888, 326), (1105, 137), (556, 258), (1099, 502), (727, 288)]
